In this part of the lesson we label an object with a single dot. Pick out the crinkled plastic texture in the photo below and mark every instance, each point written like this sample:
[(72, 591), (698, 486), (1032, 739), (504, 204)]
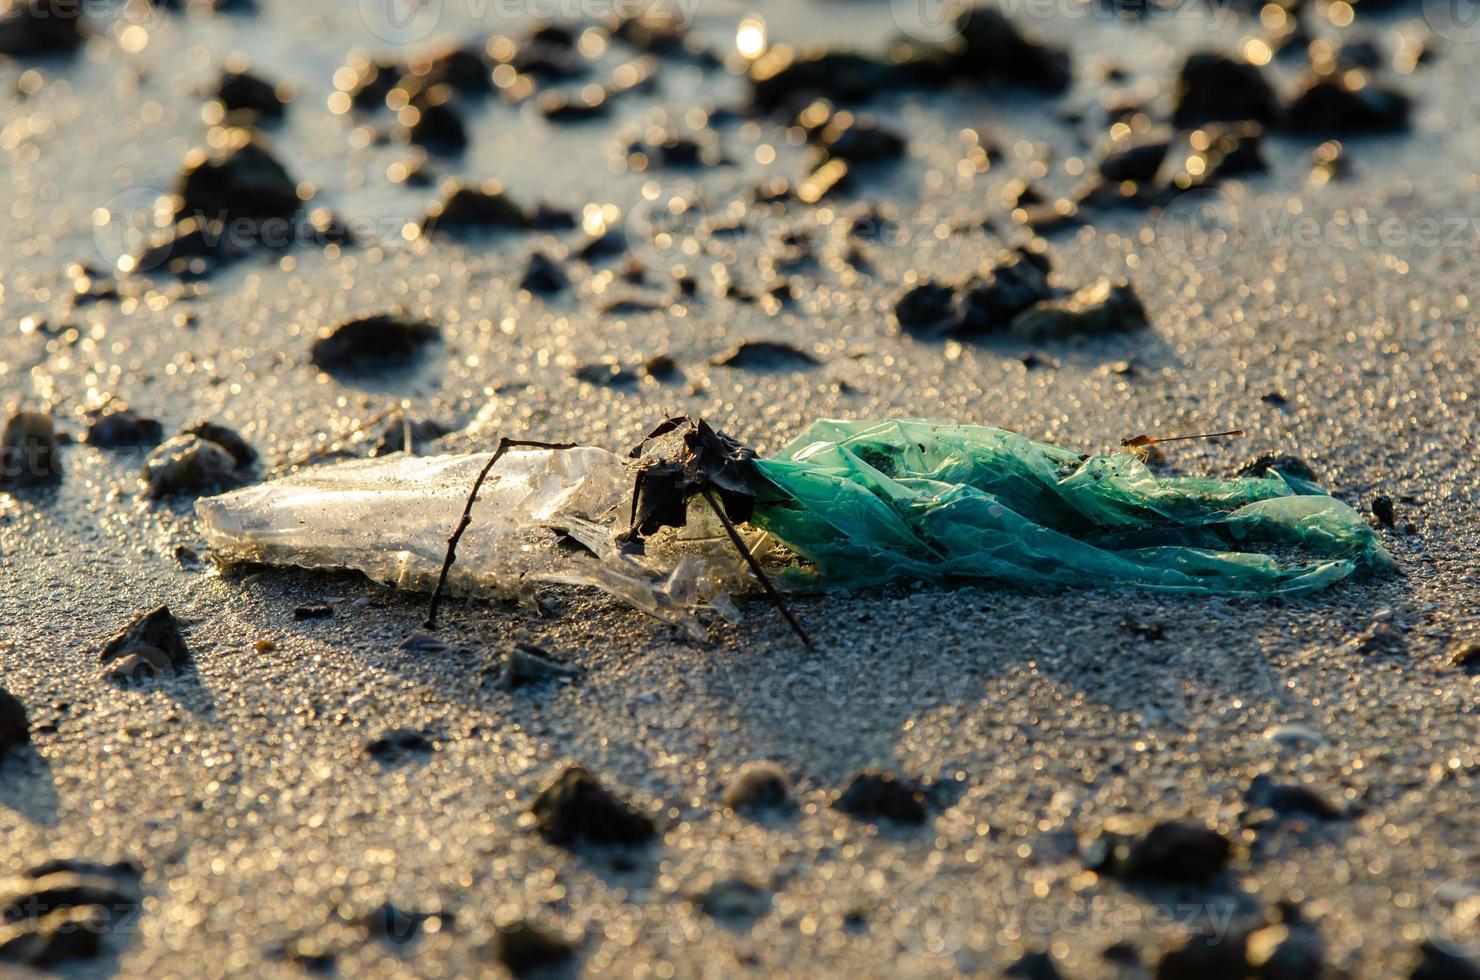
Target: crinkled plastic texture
[(876, 502), (390, 517)]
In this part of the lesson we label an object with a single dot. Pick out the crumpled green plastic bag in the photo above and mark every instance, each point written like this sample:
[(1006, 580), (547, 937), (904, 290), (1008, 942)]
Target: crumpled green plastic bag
[(876, 502)]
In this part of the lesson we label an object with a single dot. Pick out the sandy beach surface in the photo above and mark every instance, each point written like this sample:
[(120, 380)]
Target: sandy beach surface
[(1333, 322)]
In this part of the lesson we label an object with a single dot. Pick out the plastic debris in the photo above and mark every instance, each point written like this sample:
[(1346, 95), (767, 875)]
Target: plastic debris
[(860, 503), (876, 502)]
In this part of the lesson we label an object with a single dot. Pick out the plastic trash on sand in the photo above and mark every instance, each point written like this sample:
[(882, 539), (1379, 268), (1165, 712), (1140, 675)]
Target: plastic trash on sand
[(861, 503), (875, 502), (543, 516)]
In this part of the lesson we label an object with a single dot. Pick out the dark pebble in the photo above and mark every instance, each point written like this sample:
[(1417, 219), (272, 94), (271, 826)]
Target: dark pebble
[(543, 276), (187, 465), (151, 645), (1107, 307), (1213, 956), (527, 665), (313, 610), (734, 899), (575, 807), (467, 210), (1135, 161), (765, 355), (992, 299), (47, 941), (15, 729), (929, 308), (464, 69), (243, 182), (399, 745), (1329, 106), (607, 373), (396, 926), (242, 91), (1214, 87), (43, 27), (524, 949), (660, 367), (758, 785), (238, 448), (1466, 655), (990, 49), (124, 429), (1291, 799), (1033, 966), (1168, 852), (609, 244), (434, 122), (1437, 963), (29, 449), (372, 342), (877, 796), (1382, 509)]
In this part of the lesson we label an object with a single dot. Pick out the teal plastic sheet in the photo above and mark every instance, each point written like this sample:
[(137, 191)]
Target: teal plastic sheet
[(876, 502)]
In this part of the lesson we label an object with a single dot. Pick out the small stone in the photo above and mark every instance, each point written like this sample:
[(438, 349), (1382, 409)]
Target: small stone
[(1383, 510), (1284, 951), (991, 49), (1437, 963), (242, 91), (543, 275), (1465, 655), (1290, 800), (734, 899), (188, 465), (467, 210), (1380, 639), (29, 449), (524, 949), (15, 729), (391, 434), (576, 807), (42, 27), (240, 182), (526, 665), (1037, 965), (1213, 87), (991, 300), (394, 925), (370, 343), (140, 664), (1330, 105), (399, 745), (153, 635), (313, 610), (1214, 956), (422, 642), (877, 796), (45, 941), (929, 308), (1103, 308), (121, 429), (1134, 161), (228, 439), (660, 367), (1169, 852), (765, 355), (436, 124), (760, 784), (607, 373)]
